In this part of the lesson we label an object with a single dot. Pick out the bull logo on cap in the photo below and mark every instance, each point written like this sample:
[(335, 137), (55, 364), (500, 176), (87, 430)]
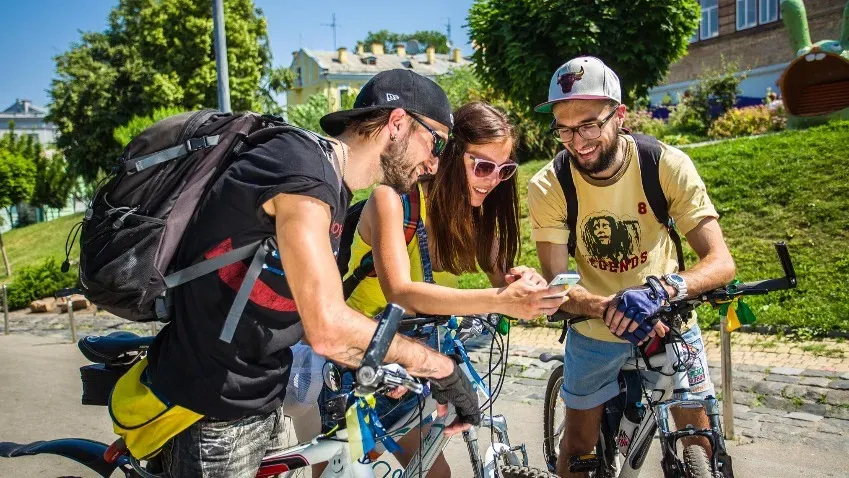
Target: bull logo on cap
[(566, 80)]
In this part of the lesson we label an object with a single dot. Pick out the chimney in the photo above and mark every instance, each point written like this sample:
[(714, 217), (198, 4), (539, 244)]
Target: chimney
[(26, 106), (377, 48), (361, 49), (458, 57), (342, 55), (401, 49), (431, 55)]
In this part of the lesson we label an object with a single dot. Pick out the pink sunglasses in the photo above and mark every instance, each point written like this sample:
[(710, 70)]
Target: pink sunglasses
[(485, 168)]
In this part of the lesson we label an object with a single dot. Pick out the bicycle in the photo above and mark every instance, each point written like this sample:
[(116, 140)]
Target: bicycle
[(116, 353), (668, 393)]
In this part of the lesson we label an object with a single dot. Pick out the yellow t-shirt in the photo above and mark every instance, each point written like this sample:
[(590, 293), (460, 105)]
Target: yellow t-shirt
[(368, 297), (619, 240)]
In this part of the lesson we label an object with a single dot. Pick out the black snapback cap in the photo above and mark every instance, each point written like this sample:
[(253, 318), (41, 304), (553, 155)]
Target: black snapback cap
[(390, 89)]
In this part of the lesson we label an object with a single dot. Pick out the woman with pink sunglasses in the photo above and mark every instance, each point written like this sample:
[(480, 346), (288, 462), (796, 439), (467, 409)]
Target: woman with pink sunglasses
[(470, 213)]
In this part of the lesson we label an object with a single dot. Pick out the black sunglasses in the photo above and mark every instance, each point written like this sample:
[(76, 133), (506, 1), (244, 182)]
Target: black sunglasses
[(439, 142)]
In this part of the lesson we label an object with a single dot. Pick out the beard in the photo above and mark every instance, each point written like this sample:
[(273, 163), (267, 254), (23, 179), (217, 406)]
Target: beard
[(395, 166), (604, 161)]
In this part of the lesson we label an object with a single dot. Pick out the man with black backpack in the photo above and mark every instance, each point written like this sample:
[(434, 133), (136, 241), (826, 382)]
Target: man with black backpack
[(295, 187), (611, 200)]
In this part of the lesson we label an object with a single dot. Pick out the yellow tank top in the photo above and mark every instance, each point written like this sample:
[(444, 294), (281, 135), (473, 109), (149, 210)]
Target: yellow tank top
[(368, 297)]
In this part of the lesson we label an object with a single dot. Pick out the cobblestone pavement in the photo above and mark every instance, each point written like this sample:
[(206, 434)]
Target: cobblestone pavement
[(788, 391)]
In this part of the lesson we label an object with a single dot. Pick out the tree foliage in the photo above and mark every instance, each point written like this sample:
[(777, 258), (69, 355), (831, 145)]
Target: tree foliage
[(522, 42), (306, 115), (154, 54), (17, 178), (389, 39)]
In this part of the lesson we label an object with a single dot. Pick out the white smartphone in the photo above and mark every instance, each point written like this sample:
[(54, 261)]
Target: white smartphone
[(567, 279)]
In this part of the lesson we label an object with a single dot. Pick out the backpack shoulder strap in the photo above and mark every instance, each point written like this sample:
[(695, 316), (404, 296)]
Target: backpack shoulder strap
[(411, 206), (563, 170), (650, 151), (412, 210)]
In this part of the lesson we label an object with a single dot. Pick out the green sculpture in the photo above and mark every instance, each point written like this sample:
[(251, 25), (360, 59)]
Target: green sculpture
[(815, 86)]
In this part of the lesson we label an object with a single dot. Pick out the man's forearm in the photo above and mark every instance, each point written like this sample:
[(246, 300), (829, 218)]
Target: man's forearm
[(708, 274), (347, 339), (582, 302)]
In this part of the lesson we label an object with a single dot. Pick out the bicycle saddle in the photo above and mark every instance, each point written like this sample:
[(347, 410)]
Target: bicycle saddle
[(108, 348)]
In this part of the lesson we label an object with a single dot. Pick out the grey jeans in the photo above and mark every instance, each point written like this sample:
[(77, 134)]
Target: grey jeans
[(232, 448)]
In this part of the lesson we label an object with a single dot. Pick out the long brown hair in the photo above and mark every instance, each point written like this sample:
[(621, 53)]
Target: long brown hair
[(491, 238)]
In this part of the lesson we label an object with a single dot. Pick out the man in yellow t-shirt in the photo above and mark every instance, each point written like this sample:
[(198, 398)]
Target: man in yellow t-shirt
[(621, 250)]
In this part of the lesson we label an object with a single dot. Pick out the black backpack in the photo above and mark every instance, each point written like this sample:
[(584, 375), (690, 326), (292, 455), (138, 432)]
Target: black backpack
[(649, 151), (135, 223)]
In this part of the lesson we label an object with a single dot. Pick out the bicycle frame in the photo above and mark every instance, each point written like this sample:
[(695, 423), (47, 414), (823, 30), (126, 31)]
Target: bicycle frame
[(669, 391)]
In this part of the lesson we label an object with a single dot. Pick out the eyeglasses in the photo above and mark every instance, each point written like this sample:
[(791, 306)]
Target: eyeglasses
[(564, 134), (439, 142), (485, 168)]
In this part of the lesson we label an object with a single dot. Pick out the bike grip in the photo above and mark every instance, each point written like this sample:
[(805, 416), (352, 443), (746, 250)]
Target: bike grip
[(786, 263), (382, 338)]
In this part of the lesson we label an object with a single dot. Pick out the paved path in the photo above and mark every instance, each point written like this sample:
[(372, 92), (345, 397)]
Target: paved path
[(786, 393), (40, 401)]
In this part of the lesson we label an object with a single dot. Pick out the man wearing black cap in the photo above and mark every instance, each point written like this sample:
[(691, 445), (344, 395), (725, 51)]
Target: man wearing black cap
[(287, 188)]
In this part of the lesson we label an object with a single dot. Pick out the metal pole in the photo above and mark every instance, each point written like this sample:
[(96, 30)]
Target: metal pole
[(727, 387), (221, 55), (5, 310), (71, 318)]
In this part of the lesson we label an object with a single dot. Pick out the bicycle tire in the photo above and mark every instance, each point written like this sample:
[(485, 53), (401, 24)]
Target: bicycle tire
[(551, 443), (524, 472), (697, 463)]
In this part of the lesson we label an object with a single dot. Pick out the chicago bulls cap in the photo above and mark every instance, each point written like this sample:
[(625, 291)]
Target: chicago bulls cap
[(582, 78)]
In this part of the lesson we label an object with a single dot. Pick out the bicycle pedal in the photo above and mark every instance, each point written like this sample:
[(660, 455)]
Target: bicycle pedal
[(589, 462)]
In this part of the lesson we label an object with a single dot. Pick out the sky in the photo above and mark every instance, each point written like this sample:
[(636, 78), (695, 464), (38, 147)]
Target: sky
[(34, 31)]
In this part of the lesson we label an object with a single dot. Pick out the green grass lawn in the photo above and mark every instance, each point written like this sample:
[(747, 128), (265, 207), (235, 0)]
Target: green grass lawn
[(30, 245), (790, 186)]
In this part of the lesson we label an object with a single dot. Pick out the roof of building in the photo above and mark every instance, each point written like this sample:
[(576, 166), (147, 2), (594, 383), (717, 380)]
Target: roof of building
[(360, 65), (25, 108)]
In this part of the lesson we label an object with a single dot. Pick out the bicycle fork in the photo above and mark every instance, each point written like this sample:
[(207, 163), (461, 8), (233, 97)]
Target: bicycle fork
[(499, 448)]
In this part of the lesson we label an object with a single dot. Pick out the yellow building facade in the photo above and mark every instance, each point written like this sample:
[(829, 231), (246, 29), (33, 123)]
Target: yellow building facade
[(337, 74)]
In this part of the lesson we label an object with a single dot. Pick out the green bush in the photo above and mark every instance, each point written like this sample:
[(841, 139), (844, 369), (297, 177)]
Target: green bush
[(306, 115), (641, 121), (685, 119), (37, 282), (747, 122)]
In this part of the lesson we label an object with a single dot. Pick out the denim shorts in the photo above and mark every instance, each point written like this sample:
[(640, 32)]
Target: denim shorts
[(591, 369), (389, 410)]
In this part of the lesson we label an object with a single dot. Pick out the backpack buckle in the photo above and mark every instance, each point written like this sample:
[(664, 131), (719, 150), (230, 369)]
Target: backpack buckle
[(195, 144)]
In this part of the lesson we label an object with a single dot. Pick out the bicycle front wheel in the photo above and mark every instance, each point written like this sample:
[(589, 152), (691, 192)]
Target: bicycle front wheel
[(698, 464)]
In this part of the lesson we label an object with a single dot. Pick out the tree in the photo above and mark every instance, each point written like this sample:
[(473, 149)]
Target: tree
[(52, 183), (389, 39), (306, 115), (522, 42), (153, 54), (17, 180)]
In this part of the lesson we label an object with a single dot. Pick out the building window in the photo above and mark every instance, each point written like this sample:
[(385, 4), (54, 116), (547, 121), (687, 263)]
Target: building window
[(769, 11), (751, 13), (709, 27)]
